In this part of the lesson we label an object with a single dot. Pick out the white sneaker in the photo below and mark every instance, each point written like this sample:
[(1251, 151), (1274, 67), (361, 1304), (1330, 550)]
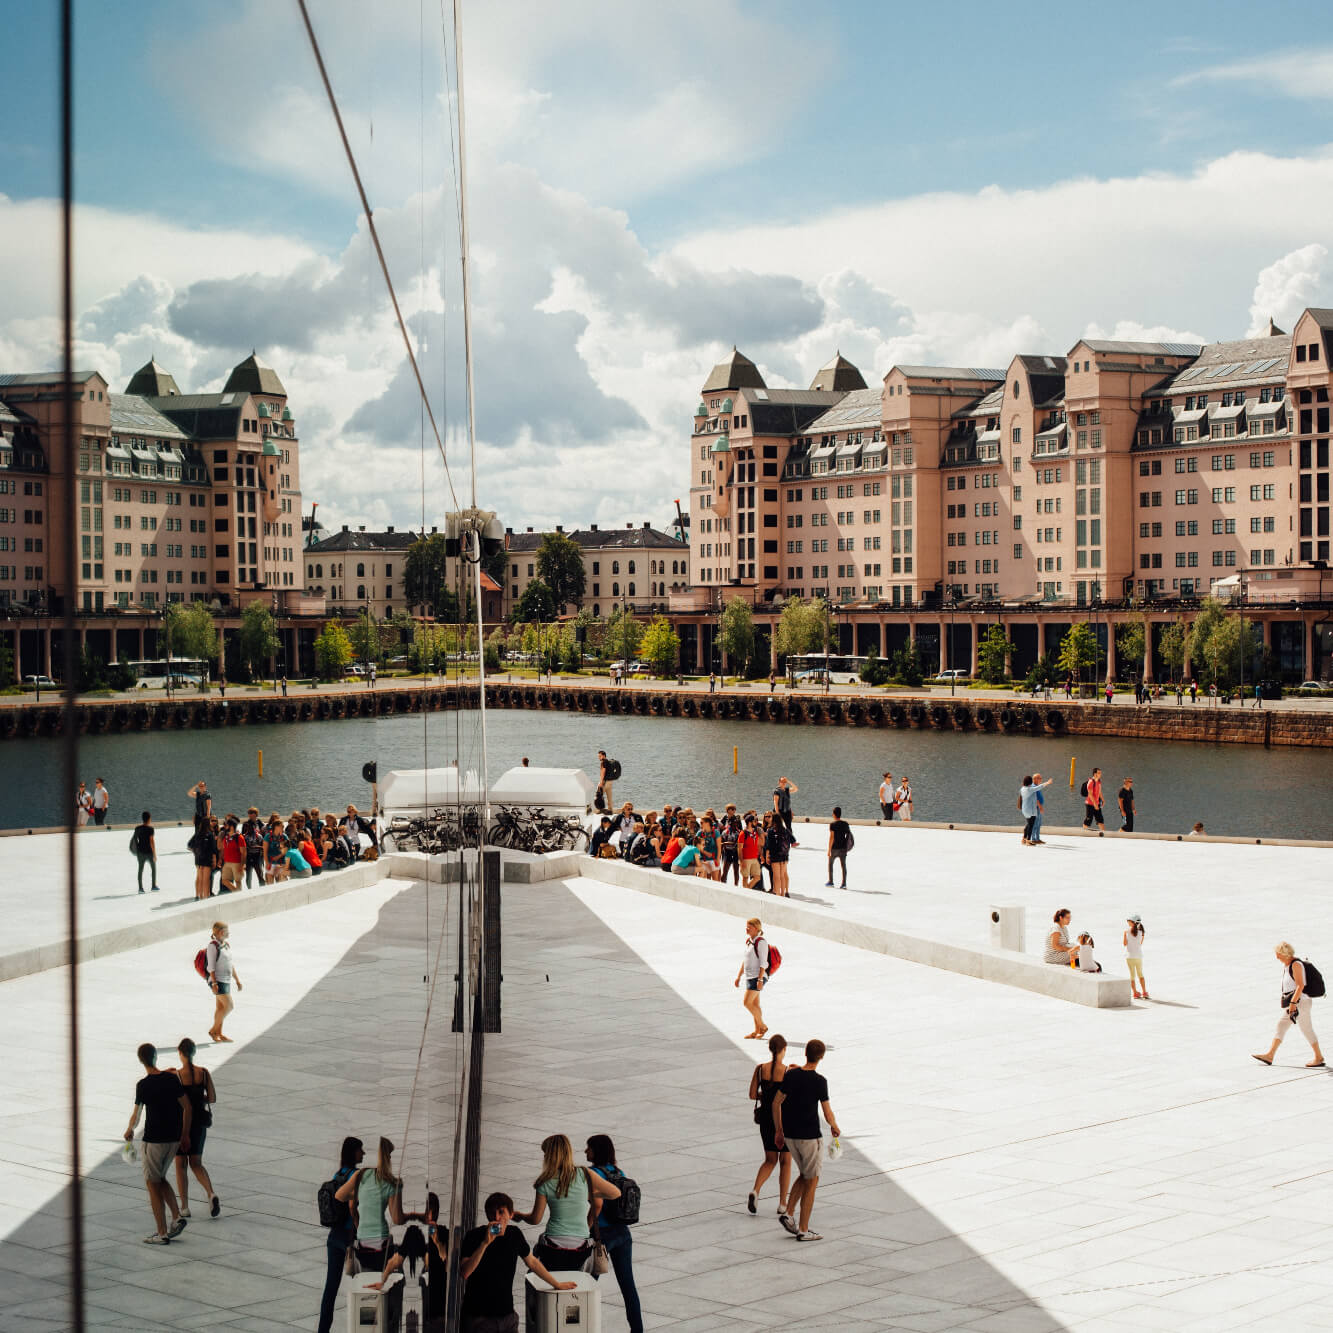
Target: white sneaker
[(185, 1212), (156, 1239)]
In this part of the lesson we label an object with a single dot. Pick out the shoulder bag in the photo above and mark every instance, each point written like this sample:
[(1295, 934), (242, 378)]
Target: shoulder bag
[(599, 1261)]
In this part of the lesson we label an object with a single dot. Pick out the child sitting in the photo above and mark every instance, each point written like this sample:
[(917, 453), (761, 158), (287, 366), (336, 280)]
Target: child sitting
[(1084, 958)]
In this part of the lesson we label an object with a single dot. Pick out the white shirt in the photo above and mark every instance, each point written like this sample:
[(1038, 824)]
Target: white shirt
[(886, 793), (1133, 944), (1086, 961), (101, 798), (218, 960), (756, 957)]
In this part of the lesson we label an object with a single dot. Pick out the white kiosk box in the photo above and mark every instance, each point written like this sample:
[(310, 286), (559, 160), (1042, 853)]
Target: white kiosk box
[(551, 1311)]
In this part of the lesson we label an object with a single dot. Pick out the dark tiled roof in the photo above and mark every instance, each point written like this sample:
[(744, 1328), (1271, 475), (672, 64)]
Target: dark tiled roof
[(858, 408), (950, 373), (206, 416), (252, 376), (1142, 348), (838, 374), (43, 377), (736, 372), (1322, 316), (132, 414), (988, 405), (347, 540), (1244, 361), (600, 538), (151, 381)]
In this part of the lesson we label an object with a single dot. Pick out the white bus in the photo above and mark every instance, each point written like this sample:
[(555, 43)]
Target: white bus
[(152, 673), (821, 668)]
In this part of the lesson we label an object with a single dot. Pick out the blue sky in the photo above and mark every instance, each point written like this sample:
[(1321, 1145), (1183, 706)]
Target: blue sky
[(651, 184)]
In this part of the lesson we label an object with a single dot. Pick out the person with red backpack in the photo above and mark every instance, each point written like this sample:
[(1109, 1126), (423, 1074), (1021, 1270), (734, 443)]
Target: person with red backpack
[(760, 962), (233, 856)]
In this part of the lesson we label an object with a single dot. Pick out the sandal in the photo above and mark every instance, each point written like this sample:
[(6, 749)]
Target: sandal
[(1263, 1059)]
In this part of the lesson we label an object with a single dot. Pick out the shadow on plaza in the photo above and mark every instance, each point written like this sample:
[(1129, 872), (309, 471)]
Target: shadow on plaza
[(595, 1041), (342, 1061)]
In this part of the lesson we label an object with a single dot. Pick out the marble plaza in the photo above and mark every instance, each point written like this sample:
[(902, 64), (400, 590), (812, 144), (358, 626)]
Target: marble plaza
[(1014, 1162)]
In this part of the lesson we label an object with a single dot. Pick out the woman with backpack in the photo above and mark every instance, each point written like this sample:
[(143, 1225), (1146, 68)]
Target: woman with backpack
[(342, 1234), (1301, 985), (611, 1230), (199, 1089), (221, 975), (754, 968), (372, 1193), (569, 1191), (765, 1084)]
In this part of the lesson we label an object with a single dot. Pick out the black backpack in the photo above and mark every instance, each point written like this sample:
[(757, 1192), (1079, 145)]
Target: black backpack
[(332, 1211), (626, 1208), (1314, 980), (1083, 790), (613, 770)]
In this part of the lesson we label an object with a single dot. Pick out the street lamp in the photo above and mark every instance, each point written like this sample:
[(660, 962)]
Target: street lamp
[(166, 634), (38, 601), (948, 652)]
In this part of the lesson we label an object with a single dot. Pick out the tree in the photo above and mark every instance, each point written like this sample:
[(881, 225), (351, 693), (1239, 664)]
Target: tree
[(906, 664), (1078, 649), (735, 633), (191, 631), (622, 636), (365, 638), (257, 639), (875, 670), (1173, 646), (660, 646), (803, 627), (537, 603), (560, 567), (1229, 648), (1043, 672), (1130, 641), (426, 578), (993, 652), (333, 651)]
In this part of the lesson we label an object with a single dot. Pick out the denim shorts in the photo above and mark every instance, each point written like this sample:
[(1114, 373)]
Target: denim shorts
[(224, 987), (752, 983)]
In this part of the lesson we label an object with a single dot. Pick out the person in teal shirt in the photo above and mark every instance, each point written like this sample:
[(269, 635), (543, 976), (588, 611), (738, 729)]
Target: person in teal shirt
[(690, 861), (567, 1190), (298, 867)]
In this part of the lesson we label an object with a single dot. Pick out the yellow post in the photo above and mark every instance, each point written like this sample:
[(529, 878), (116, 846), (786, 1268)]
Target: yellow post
[(261, 763), (735, 758), (1072, 762)]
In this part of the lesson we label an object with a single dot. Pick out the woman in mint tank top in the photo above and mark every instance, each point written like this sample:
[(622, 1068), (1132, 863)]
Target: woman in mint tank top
[(567, 1191)]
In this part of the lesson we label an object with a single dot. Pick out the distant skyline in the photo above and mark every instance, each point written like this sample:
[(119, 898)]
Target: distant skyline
[(648, 186)]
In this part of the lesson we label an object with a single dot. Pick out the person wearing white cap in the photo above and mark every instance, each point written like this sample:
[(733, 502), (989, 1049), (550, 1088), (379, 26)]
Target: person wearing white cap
[(1134, 934)]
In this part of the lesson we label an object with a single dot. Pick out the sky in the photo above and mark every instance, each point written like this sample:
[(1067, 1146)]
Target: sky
[(647, 186)]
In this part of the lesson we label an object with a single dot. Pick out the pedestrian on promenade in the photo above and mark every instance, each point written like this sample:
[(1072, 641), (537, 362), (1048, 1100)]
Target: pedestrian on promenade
[(754, 969), (222, 976), (199, 1090), (232, 849), (1039, 797), (728, 842), (604, 780), (1296, 1002), (886, 790), (342, 1235), (252, 835), (1133, 937), (777, 850), (370, 680), (83, 805), (1027, 807), (611, 1231), (1197, 831), (1092, 800), (796, 1108), (204, 846), (1212, 694), (1180, 694), (376, 1191), (751, 846), (1194, 691), (1125, 799), (902, 801), (166, 1132), (490, 1256), (782, 795), (101, 802), (839, 844), (1069, 687), (284, 687), (1059, 949), (712, 683), (772, 683), (1258, 703), (144, 846), (1109, 691), (765, 1083), (203, 802), (568, 1191)]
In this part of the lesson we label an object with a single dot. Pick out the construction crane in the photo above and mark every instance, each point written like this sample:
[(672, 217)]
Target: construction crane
[(680, 525)]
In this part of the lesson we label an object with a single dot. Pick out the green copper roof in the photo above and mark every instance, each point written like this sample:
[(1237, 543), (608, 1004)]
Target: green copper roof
[(701, 411), (721, 445), (263, 410), (726, 404), (286, 413), (270, 449)]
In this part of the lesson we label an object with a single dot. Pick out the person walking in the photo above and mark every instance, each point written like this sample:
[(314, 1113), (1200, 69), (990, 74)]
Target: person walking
[(839, 844), (728, 842), (1296, 1002), (222, 976), (611, 1231), (568, 1192), (144, 845), (1109, 691), (199, 1090), (490, 1255), (1092, 800), (204, 846), (1133, 938), (903, 801), (782, 795), (712, 682), (1039, 800), (101, 802), (754, 969), (342, 1235), (886, 790), (1027, 807), (765, 1084), (377, 1191), (203, 802), (1258, 703), (604, 780), (772, 683), (1125, 800), (83, 805), (1194, 691), (166, 1132), (1180, 694), (796, 1109)]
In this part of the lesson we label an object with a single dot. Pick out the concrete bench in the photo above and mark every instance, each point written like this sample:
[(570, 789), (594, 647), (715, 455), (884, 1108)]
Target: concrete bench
[(1026, 971)]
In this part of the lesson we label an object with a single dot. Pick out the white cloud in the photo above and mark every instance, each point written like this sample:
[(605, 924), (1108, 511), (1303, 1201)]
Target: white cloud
[(1305, 74), (1286, 287)]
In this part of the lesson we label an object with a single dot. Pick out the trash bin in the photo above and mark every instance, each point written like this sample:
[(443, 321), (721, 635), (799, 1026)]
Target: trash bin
[(1008, 926), (551, 1311), (367, 1311)]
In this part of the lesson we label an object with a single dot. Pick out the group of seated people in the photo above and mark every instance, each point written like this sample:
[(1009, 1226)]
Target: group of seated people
[(1063, 951), (308, 842)]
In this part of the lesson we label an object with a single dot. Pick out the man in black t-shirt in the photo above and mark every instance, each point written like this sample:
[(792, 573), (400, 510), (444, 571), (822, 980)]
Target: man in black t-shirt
[(839, 844), (490, 1255), (1125, 797), (796, 1108), (782, 795), (203, 802), (166, 1131)]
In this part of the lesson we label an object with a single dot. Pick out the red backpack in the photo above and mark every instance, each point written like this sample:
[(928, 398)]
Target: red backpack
[(201, 962), (774, 956)]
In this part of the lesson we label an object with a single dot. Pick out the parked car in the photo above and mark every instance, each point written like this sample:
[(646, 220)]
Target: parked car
[(44, 681), (356, 669), (1315, 687), (954, 673)]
